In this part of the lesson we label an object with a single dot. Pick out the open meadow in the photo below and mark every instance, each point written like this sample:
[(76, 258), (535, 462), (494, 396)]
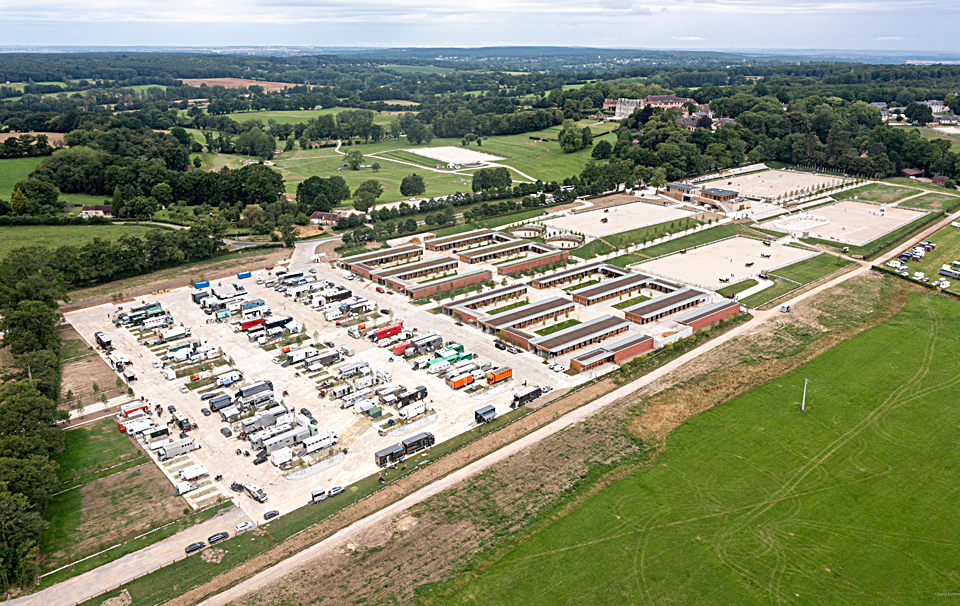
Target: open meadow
[(13, 170), (756, 502), (54, 236)]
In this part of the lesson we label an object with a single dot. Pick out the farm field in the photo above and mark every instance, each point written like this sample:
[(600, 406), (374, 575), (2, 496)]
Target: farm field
[(54, 236), (933, 201), (237, 83), (13, 170), (754, 501)]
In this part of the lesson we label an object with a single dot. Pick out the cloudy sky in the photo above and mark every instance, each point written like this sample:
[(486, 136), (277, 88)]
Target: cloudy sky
[(678, 24)]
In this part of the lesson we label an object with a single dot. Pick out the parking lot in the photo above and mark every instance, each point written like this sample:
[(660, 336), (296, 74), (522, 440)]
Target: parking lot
[(357, 433)]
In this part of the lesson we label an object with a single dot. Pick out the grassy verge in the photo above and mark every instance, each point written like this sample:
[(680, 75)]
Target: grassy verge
[(582, 285), (737, 288), (629, 302), (796, 276), (625, 260), (557, 327), (701, 237), (506, 307)]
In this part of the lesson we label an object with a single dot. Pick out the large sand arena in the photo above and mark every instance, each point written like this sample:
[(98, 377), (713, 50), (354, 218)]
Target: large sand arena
[(453, 155), (619, 218), (773, 183), (847, 222), (706, 265)]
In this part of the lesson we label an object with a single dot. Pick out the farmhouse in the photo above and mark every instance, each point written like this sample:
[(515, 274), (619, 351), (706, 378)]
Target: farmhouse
[(625, 107), (319, 218), (96, 210)]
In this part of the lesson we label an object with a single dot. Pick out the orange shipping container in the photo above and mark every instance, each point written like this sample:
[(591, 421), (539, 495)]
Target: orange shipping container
[(499, 374), (286, 349), (461, 381), (195, 377)]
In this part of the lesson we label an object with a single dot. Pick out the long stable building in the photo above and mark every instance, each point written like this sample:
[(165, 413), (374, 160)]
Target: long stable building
[(660, 307), (572, 274), (534, 313), (466, 239), (399, 276), (444, 284), (365, 263), (467, 307), (579, 336), (707, 315), (623, 350)]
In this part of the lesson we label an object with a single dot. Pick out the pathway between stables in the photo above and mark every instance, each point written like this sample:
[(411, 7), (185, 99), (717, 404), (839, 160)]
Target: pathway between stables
[(340, 538)]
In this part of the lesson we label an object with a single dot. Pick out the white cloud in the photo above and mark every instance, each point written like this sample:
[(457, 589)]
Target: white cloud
[(688, 38)]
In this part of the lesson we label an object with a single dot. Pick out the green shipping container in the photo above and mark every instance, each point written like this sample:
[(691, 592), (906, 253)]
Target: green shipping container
[(375, 412)]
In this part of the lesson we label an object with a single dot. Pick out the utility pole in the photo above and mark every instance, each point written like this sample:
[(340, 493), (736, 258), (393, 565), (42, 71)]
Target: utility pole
[(803, 404)]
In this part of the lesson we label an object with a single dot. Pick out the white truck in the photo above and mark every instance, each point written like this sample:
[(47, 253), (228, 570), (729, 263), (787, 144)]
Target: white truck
[(229, 377), (176, 449), (330, 316), (384, 375), (413, 410), (193, 472), (168, 373), (320, 441), (184, 487)]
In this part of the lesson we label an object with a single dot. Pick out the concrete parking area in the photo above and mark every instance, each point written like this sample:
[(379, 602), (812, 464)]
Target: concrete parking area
[(454, 409)]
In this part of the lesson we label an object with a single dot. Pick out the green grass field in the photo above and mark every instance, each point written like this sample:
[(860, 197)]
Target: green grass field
[(877, 192), (92, 449), (737, 288), (927, 133), (948, 251), (624, 260), (54, 236), (794, 276), (756, 502), (418, 69), (628, 238), (701, 237), (557, 327), (934, 201), (13, 170), (629, 302)]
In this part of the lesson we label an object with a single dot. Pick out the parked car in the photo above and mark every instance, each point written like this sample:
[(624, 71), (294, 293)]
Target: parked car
[(276, 361), (226, 432), (385, 312), (183, 435), (381, 289), (218, 537), (195, 547), (335, 491), (183, 389), (245, 526), (513, 350), (209, 396), (259, 460), (499, 345), (306, 413), (271, 514), (546, 388), (156, 364), (313, 270), (205, 411)]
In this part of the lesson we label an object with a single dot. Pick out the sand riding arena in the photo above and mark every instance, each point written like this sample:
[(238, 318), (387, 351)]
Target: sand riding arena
[(619, 218), (454, 155), (772, 184), (847, 222), (724, 262)]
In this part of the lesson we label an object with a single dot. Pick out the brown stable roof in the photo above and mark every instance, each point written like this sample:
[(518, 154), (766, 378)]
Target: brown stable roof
[(579, 332), (608, 286), (705, 312), (416, 266), (658, 304), (531, 310)]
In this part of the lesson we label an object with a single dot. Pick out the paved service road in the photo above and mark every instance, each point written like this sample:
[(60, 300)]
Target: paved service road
[(132, 565)]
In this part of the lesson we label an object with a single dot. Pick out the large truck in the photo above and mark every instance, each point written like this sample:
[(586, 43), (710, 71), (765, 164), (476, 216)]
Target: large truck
[(174, 333), (419, 393), (526, 396), (499, 374), (413, 410), (175, 449), (258, 439), (219, 402), (127, 410), (379, 334), (352, 370), (461, 381), (252, 323), (320, 441), (103, 340), (255, 393), (193, 472), (301, 354), (294, 436)]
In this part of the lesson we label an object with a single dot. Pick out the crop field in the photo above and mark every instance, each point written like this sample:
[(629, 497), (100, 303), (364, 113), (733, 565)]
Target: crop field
[(13, 170), (237, 83), (756, 502), (54, 236)]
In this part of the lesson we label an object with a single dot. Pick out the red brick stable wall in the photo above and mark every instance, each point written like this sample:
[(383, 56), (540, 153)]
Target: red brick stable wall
[(632, 352), (556, 258), (715, 317)]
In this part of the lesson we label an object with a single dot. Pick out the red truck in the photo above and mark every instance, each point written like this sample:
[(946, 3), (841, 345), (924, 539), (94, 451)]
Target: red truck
[(251, 323), (386, 332), (399, 348)]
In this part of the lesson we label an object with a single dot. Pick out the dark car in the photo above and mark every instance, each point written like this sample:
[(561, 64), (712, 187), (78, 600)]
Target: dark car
[(205, 411), (183, 435), (209, 396), (499, 345), (385, 312), (259, 460), (172, 408), (226, 432), (335, 491), (306, 413), (195, 547), (270, 515), (218, 537), (313, 421)]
